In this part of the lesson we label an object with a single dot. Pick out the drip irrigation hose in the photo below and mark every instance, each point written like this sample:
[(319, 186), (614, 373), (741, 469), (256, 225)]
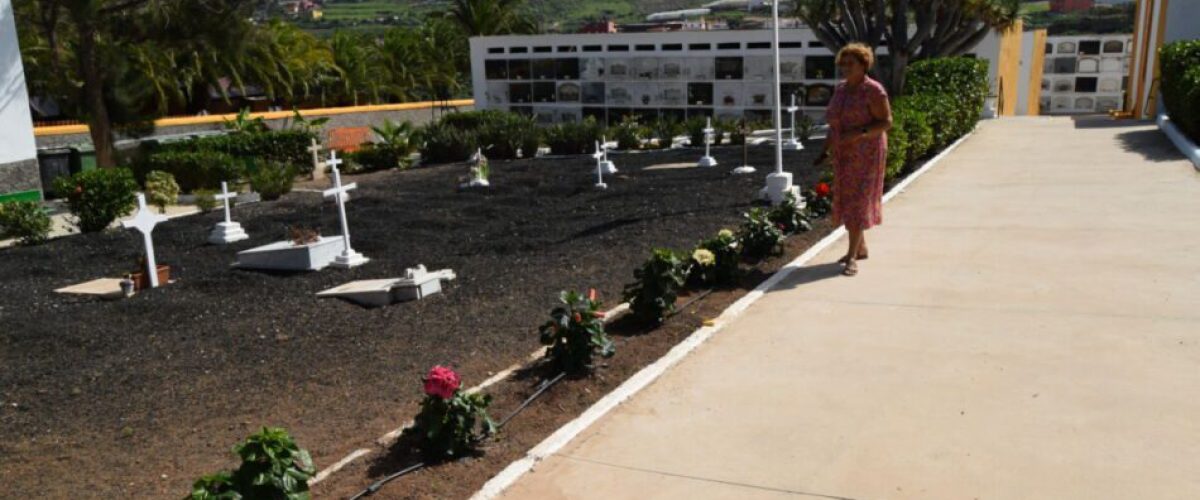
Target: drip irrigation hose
[(691, 301), (377, 485), (542, 388)]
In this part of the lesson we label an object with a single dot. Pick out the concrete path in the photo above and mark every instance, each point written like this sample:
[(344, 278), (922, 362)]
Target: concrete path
[(1028, 327)]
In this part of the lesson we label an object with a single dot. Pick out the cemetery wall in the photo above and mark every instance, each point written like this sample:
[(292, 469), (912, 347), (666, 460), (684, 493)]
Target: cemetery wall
[(418, 113), (726, 74), (18, 163)]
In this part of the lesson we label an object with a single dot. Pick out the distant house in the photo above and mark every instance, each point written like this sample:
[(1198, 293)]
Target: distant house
[(1063, 6)]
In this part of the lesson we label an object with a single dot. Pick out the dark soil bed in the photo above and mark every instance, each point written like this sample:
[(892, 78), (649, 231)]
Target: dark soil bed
[(136, 398)]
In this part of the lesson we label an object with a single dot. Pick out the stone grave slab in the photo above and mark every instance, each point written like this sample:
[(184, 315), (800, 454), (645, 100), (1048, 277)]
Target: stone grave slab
[(416, 285), (288, 256), (107, 288), (671, 166)]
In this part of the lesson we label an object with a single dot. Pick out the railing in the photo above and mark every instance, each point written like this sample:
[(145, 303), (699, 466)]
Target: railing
[(76, 127)]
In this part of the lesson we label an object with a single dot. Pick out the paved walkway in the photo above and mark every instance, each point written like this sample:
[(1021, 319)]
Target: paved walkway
[(1028, 327)]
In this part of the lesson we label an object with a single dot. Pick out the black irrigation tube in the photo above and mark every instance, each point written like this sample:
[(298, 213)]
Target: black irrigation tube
[(545, 385), (377, 485)]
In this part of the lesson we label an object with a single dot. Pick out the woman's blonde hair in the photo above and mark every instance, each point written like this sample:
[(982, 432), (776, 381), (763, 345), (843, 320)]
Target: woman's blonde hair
[(861, 52)]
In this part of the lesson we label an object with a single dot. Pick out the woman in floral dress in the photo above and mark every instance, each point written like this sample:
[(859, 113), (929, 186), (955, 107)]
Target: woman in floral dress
[(859, 117)]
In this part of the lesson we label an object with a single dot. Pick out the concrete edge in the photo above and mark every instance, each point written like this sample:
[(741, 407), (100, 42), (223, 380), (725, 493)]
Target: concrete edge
[(1182, 142), (565, 434)]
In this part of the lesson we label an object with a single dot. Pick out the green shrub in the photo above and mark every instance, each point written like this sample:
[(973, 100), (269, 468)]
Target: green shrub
[(502, 136), (273, 467), (665, 130), (451, 422), (192, 170), (247, 148), (24, 220), (372, 157), (573, 138), (443, 143), (656, 285), (98, 197), (695, 131), (206, 199), (960, 81), (575, 333), (804, 126), (788, 216), (719, 266), (628, 133), (161, 190), (272, 180), (759, 237), (1180, 84)]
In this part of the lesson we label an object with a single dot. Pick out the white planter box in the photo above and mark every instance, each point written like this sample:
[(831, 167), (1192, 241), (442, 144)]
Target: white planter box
[(286, 256)]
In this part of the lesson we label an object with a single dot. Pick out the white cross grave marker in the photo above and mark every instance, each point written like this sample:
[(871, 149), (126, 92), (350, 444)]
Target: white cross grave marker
[(599, 156), (318, 172), (349, 258), (792, 144), (709, 132), (144, 222), (609, 167), (228, 231)]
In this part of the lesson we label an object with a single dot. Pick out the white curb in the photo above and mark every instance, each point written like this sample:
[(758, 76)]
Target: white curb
[(509, 476)]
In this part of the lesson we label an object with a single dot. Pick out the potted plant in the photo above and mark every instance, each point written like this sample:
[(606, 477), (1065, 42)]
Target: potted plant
[(141, 280)]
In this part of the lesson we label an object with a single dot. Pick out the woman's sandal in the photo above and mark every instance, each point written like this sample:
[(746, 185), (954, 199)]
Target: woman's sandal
[(851, 269), (846, 258)]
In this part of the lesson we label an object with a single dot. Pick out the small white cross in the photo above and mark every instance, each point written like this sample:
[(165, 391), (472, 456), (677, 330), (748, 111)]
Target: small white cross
[(144, 222), (333, 161), (599, 155), (338, 193), (224, 197)]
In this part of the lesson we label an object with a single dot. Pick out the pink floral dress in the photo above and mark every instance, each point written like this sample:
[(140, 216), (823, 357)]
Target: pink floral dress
[(858, 168)]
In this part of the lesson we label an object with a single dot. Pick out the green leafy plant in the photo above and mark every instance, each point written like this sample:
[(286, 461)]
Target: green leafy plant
[(273, 467), (451, 422), (819, 199), (24, 220), (161, 190), (804, 127), (272, 180), (665, 129), (442, 143), (307, 125), (759, 236), (1180, 84), (288, 146), (206, 199), (656, 286), (789, 216), (575, 333), (715, 260), (192, 170), (373, 157), (695, 131), (97, 197), (507, 136), (573, 138), (245, 124), (628, 133)]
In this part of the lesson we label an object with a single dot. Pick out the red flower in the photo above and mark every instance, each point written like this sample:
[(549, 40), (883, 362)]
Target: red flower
[(822, 190), (442, 382), (78, 189), (578, 318), (592, 294)]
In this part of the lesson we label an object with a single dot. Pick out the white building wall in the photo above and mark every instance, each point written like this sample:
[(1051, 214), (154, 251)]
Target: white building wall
[(18, 152), (1078, 80), (652, 74)]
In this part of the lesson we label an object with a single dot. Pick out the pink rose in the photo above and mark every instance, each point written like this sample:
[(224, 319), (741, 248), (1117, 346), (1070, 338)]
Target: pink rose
[(442, 382)]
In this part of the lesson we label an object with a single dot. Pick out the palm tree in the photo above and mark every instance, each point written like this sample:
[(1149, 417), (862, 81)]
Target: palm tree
[(491, 17)]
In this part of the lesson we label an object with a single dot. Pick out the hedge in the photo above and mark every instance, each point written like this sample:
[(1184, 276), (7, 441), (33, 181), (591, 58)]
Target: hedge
[(501, 134), (1179, 64), (573, 138), (193, 170), (248, 148), (943, 99)]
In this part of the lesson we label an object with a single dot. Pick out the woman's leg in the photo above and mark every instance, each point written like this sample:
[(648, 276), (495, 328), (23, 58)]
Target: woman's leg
[(862, 245), (851, 258)]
